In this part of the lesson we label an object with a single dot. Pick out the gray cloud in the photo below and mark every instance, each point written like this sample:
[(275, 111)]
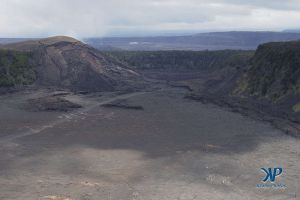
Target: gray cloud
[(270, 4), (82, 18)]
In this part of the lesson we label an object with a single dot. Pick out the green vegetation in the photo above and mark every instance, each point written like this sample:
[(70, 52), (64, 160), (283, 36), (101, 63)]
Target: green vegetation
[(274, 71), (15, 69), (184, 60)]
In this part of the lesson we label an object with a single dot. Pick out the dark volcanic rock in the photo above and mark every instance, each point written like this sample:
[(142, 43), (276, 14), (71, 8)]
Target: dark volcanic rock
[(122, 104), (51, 103)]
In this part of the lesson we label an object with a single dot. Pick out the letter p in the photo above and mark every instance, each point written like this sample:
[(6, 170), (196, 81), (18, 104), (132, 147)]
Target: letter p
[(276, 174)]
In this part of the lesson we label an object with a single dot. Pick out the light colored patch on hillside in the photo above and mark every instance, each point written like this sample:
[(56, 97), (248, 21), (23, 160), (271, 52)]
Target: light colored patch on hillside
[(296, 107), (242, 86)]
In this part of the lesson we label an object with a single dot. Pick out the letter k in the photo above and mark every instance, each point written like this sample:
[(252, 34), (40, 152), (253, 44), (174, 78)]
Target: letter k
[(268, 174)]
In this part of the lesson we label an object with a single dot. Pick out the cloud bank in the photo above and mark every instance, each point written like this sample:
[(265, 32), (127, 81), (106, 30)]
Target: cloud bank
[(90, 18)]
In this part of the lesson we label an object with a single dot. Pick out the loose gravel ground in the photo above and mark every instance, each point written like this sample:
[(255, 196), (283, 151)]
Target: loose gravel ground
[(174, 148)]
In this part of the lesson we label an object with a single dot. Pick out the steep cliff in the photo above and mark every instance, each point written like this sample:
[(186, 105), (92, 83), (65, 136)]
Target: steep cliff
[(275, 71)]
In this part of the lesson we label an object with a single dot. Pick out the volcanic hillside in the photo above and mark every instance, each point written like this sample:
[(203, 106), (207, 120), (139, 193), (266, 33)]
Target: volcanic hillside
[(66, 63)]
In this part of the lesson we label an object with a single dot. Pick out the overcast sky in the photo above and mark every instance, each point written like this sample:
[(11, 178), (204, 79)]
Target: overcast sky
[(86, 18)]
